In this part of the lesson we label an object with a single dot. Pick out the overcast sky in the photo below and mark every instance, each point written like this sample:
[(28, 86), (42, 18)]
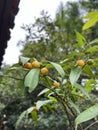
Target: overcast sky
[(28, 10)]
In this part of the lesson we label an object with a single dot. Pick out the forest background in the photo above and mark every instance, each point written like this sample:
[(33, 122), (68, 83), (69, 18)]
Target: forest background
[(57, 44)]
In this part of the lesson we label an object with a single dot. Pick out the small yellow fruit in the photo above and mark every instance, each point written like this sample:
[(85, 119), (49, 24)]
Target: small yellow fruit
[(80, 63), (35, 64), (28, 65), (56, 84), (44, 71), (81, 95), (35, 109)]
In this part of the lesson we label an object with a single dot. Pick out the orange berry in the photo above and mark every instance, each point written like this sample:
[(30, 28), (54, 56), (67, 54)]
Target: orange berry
[(28, 65), (44, 71), (80, 63), (56, 84), (35, 64), (35, 109)]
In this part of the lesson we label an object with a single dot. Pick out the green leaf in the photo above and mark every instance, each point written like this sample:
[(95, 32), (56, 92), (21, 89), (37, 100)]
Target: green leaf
[(82, 90), (29, 110), (75, 74), (88, 71), (34, 115), (32, 79), (58, 68), (89, 85), (96, 62), (88, 114), (81, 39), (39, 104), (90, 23), (19, 68), (75, 107), (53, 99), (91, 14), (93, 49), (23, 60), (43, 91), (23, 114), (94, 41), (15, 68)]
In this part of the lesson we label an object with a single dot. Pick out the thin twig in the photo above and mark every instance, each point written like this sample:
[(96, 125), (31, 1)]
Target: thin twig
[(59, 98), (76, 127), (80, 127), (91, 125)]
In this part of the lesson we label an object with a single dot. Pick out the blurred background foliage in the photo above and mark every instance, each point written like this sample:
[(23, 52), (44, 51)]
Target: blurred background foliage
[(46, 39)]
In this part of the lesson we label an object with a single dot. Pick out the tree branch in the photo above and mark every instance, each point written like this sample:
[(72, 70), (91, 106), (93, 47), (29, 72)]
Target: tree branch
[(91, 125)]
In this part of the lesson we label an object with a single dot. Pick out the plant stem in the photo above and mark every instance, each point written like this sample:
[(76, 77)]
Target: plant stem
[(91, 125), (60, 99), (80, 127)]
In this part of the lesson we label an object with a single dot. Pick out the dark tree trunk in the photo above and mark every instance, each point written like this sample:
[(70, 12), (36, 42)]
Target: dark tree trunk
[(8, 11)]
